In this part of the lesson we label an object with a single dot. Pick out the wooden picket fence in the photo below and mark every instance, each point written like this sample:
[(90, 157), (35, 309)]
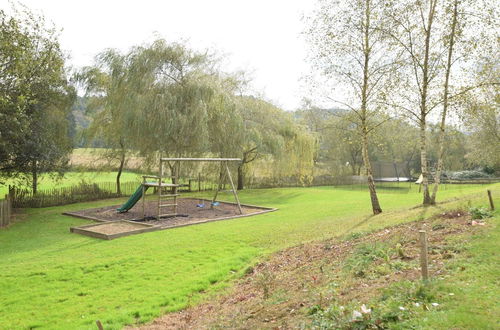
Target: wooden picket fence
[(83, 192), (5, 211)]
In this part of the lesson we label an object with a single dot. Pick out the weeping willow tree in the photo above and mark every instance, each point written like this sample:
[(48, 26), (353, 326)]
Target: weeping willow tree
[(173, 95), (259, 135), (296, 159), (108, 85), (271, 135)]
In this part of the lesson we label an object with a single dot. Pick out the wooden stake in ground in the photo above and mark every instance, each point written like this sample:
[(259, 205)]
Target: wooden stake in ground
[(199, 182), (423, 255), (492, 206)]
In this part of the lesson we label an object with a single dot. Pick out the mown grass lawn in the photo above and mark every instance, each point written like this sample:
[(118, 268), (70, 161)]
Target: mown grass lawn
[(53, 279)]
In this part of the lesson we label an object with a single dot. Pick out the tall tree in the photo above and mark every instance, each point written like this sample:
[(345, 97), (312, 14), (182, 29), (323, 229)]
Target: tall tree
[(481, 116), (35, 98), (464, 47), (428, 32), (261, 134), (349, 48), (444, 112), (172, 91), (413, 30), (108, 87)]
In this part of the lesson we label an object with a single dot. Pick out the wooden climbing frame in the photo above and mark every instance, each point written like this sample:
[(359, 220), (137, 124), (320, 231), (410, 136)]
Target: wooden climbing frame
[(169, 199)]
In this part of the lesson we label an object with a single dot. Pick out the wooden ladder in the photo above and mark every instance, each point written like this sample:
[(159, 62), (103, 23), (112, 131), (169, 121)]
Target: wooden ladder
[(168, 200)]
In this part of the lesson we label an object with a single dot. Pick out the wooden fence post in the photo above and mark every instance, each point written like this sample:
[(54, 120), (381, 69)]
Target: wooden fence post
[(2, 216), (9, 207), (423, 255), (492, 206)]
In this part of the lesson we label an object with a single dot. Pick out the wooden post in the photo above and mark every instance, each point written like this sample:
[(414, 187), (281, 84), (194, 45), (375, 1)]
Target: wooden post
[(199, 182), (143, 198), (159, 189), (233, 188), (8, 206), (2, 215), (177, 174), (423, 255), (492, 206), (99, 325)]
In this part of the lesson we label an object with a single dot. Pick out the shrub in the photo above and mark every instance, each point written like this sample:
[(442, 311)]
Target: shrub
[(479, 213), (471, 174)]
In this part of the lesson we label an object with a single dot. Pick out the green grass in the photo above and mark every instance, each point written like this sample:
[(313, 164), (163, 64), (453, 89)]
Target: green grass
[(49, 181), (464, 296), (52, 279), (474, 284)]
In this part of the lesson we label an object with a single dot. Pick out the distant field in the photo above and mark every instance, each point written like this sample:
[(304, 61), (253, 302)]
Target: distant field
[(73, 178), (94, 158)]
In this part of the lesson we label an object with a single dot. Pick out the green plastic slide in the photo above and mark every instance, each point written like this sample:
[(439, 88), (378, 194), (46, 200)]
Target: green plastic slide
[(132, 200)]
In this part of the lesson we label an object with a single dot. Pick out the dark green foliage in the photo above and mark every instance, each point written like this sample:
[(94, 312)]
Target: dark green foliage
[(480, 213), (35, 97)]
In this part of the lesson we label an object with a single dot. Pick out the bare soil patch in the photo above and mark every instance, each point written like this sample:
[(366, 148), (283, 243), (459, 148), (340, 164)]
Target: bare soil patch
[(279, 293), (187, 210)]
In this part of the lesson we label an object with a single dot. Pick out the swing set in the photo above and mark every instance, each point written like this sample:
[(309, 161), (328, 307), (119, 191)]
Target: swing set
[(168, 199)]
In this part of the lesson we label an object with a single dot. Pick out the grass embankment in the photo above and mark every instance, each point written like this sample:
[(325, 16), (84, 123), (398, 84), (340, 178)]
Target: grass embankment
[(54, 279), (473, 280), (366, 281), (462, 292)]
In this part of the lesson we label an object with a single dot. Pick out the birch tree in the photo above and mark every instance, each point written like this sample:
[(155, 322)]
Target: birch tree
[(349, 50), (413, 30), (465, 42), (427, 32), (107, 83), (444, 112)]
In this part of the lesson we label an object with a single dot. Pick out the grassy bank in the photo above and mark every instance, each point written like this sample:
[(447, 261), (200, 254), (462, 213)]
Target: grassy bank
[(54, 279)]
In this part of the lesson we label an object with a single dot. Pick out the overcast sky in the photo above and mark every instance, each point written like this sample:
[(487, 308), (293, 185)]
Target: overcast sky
[(260, 36)]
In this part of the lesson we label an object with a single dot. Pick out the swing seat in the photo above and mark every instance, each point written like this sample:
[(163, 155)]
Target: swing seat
[(200, 205), (215, 203)]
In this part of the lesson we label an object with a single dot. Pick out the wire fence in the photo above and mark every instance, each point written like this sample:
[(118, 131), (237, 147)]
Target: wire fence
[(84, 192)]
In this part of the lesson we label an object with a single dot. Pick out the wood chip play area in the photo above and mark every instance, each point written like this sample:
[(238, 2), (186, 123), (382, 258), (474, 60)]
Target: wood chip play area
[(188, 214), (134, 218)]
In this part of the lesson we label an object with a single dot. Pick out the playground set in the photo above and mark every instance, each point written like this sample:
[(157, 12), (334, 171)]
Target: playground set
[(167, 209)]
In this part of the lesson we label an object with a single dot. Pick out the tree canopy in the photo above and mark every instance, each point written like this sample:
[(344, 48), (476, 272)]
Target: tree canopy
[(35, 97)]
